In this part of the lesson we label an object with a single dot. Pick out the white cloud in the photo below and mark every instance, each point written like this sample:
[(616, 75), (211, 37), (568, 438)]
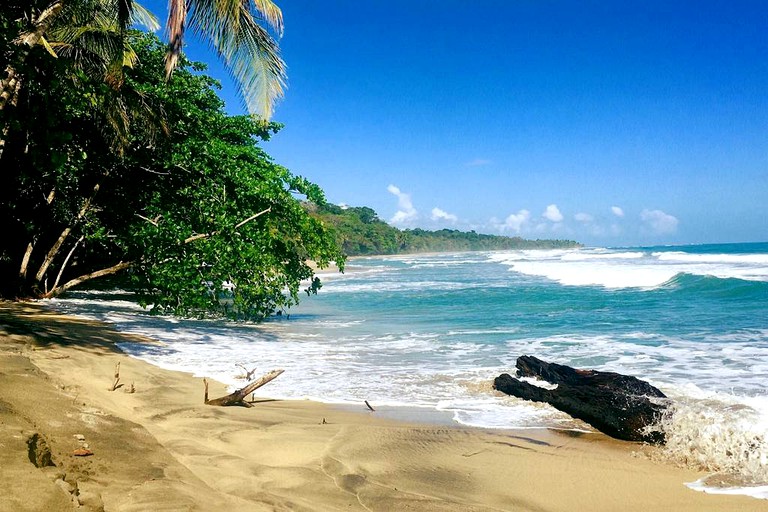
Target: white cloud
[(515, 221), (438, 214), (584, 217), (617, 211), (406, 212), (658, 222), (478, 162), (553, 213)]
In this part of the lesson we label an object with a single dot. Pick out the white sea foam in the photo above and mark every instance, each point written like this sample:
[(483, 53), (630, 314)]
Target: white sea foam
[(739, 259), (755, 491), (630, 269), (724, 434), (579, 273), (581, 256)]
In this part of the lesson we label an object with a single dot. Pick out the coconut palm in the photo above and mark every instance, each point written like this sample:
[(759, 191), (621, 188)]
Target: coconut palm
[(89, 34), (240, 31)]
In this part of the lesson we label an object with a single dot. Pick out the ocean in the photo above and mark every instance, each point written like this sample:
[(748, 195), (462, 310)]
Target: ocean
[(433, 331)]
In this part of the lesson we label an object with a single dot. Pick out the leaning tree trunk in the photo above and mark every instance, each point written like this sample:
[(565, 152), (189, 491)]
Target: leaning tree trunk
[(114, 269), (56, 247)]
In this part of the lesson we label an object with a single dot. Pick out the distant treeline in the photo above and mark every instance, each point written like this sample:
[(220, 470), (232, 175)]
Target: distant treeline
[(359, 232)]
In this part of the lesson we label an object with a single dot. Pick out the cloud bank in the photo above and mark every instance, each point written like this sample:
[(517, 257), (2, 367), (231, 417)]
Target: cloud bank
[(659, 222), (514, 222), (438, 214), (406, 212), (553, 213)]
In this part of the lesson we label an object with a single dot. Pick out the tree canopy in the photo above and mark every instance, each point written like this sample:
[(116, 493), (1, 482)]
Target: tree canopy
[(191, 209)]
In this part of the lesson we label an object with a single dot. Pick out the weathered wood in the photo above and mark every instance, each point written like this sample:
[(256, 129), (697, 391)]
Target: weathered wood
[(238, 397), (116, 384), (248, 375), (619, 405)]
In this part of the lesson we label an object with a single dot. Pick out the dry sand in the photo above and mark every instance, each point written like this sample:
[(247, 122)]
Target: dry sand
[(161, 448)]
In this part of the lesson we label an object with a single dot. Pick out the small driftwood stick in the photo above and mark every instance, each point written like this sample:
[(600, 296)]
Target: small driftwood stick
[(116, 384), (248, 373), (238, 397)]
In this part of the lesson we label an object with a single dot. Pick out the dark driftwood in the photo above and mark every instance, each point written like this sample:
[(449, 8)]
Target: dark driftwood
[(618, 405), (238, 397)]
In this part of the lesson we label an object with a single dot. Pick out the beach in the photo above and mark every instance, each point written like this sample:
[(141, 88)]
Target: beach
[(162, 448)]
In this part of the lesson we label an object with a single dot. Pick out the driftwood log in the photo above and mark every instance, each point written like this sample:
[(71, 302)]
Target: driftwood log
[(618, 405), (238, 397)]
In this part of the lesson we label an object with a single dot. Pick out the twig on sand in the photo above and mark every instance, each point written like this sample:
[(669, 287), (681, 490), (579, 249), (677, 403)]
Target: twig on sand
[(116, 384)]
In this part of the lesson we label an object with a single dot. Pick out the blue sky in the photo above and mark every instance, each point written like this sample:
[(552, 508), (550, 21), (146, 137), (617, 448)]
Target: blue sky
[(611, 123)]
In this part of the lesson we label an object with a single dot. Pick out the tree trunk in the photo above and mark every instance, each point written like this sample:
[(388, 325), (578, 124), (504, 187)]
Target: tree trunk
[(54, 250), (9, 89), (10, 95), (11, 83), (238, 397), (66, 262), (621, 406), (114, 269)]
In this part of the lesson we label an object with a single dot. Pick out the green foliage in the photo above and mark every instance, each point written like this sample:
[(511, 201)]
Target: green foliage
[(206, 221), (360, 232)]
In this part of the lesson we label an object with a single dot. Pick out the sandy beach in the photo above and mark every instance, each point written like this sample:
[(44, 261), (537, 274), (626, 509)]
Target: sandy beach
[(162, 448)]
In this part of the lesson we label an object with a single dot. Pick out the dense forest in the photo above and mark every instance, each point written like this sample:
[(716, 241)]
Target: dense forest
[(359, 232), (147, 180)]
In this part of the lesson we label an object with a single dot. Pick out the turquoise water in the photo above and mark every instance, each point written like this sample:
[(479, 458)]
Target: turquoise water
[(434, 330)]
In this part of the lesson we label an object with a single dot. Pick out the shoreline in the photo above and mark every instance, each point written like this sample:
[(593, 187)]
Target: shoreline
[(162, 448)]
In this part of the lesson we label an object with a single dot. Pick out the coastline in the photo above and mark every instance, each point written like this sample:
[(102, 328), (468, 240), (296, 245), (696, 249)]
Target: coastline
[(161, 448)]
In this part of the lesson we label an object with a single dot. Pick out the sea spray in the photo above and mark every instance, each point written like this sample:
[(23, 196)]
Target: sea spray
[(721, 436)]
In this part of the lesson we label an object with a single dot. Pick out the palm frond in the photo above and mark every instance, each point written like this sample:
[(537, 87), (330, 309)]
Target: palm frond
[(236, 33), (48, 47), (142, 16), (271, 14)]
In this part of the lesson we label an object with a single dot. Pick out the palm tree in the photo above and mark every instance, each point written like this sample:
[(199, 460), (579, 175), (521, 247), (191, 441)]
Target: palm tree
[(90, 34), (238, 30)]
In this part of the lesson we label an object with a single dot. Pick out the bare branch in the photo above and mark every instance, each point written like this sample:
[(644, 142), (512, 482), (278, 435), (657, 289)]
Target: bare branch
[(255, 216), (66, 261), (155, 172), (201, 236), (154, 222)]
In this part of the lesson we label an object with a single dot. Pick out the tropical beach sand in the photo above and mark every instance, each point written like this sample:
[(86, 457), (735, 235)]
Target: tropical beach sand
[(161, 448)]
